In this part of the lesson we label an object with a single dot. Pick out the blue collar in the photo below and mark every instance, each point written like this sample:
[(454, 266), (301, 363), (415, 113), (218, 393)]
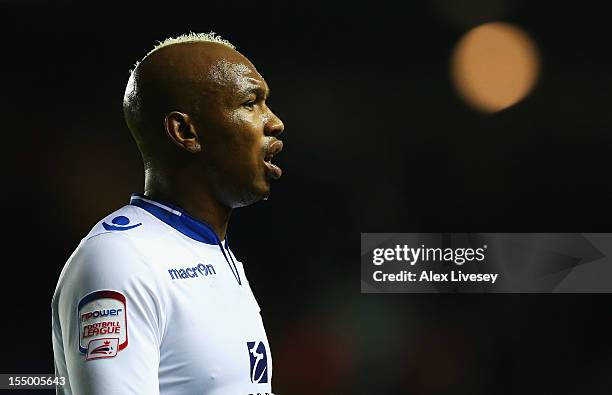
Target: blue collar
[(178, 219)]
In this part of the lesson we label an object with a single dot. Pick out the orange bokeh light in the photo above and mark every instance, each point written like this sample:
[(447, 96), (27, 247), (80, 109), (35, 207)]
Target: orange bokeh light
[(494, 66)]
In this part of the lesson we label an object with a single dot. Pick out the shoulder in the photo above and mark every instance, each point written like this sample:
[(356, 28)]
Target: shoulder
[(104, 260), (129, 233), (129, 220), (113, 254)]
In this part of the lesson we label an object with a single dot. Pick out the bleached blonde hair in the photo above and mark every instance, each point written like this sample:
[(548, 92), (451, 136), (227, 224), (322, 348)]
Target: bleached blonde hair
[(190, 37)]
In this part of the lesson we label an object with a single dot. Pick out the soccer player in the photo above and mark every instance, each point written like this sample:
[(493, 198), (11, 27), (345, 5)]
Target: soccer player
[(153, 301)]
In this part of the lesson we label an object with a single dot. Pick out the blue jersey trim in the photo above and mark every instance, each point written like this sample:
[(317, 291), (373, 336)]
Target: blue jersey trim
[(177, 218)]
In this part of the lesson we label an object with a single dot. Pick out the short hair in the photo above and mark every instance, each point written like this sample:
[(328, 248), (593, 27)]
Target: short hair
[(190, 37)]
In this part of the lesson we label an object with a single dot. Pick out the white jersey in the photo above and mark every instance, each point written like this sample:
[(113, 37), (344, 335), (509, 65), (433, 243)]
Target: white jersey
[(152, 302)]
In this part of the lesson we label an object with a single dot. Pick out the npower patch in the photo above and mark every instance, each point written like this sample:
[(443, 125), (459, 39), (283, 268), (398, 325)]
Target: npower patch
[(102, 317)]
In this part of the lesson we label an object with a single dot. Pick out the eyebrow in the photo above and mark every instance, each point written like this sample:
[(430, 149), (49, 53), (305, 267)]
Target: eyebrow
[(259, 91)]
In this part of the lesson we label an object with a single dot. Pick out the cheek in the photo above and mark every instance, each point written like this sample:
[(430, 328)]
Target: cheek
[(247, 136), (237, 140)]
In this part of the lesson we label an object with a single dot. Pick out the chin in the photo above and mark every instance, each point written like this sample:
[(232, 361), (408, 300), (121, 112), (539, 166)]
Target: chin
[(257, 193)]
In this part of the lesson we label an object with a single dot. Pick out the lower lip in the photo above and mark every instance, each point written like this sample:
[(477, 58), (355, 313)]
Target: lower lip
[(274, 170)]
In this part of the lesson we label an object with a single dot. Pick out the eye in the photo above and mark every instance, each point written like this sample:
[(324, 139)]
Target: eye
[(249, 104)]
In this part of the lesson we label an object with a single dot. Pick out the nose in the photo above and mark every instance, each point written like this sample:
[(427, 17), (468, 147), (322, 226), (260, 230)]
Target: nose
[(274, 126)]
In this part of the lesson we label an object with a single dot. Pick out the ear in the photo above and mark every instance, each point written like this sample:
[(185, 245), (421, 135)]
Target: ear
[(181, 130)]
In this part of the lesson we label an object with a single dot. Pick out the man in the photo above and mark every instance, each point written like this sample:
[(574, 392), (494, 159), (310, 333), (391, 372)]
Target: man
[(153, 301)]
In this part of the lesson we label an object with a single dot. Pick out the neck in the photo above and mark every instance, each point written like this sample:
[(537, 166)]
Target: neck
[(194, 199)]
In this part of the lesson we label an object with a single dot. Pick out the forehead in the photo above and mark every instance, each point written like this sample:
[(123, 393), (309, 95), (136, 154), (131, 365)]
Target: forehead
[(237, 73)]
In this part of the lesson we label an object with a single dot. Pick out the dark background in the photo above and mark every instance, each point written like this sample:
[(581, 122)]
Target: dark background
[(376, 140)]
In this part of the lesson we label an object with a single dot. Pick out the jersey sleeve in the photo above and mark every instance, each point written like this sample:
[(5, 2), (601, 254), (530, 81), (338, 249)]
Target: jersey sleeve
[(107, 320)]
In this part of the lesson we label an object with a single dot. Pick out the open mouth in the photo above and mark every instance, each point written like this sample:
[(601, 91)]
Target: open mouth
[(274, 148)]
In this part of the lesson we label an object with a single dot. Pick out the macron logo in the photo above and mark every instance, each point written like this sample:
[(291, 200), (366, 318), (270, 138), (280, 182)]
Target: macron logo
[(191, 272)]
